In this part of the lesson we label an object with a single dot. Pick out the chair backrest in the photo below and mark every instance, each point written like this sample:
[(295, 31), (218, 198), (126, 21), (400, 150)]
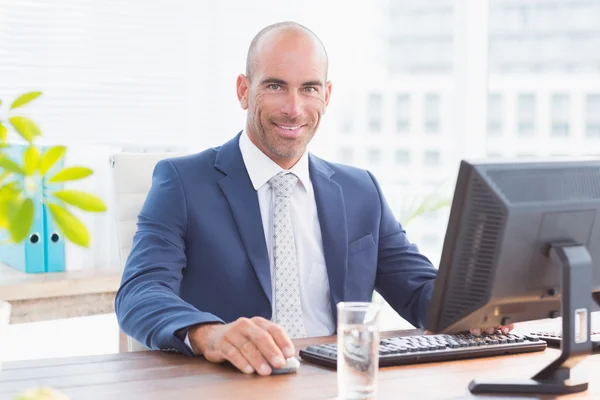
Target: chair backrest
[(131, 181)]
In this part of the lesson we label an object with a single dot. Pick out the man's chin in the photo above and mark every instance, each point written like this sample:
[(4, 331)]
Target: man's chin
[(288, 155)]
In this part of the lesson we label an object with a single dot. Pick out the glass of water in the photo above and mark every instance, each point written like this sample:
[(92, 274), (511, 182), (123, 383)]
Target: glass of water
[(358, 350)]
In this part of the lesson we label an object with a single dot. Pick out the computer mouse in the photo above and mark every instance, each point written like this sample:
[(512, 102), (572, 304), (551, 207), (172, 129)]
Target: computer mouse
[(291, 365)]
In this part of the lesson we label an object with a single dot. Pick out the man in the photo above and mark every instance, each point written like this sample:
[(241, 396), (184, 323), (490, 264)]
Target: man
[(242, 247)]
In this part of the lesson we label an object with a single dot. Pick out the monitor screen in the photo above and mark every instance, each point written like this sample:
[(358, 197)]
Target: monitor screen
[(495, 266)]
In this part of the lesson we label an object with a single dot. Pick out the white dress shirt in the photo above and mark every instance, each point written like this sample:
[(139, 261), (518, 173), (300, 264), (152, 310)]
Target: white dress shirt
[(314, 283)]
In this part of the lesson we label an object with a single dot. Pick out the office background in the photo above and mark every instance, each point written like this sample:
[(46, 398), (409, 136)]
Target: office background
[(418, 85)]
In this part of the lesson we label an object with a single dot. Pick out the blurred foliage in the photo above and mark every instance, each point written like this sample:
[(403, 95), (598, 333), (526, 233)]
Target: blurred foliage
[(41, 394), (420, 206), (20, 181), (415, 208)]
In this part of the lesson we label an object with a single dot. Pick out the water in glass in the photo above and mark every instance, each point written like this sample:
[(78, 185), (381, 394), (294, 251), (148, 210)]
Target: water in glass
[(358, 361)]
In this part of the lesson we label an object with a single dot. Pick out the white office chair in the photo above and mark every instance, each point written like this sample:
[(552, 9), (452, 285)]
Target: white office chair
[(131, 181)]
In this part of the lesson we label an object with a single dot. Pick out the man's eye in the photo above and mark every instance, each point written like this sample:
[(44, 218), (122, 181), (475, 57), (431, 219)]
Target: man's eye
[(310, 89), (274, 86)]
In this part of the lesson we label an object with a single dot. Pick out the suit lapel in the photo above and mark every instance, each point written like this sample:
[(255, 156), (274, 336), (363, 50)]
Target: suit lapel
[(332, 218), (243, 201)]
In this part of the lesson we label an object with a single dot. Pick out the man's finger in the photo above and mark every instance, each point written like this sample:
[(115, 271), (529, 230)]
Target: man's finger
[(490, 330), (233, 355), (249, 350), (279, 336), (265, 343), (476, 332)]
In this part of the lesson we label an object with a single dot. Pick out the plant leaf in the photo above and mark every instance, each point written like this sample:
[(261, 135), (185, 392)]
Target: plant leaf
[(10, 190), (3, 133), (31, 158), (21, 222), (50, 157), (24, 99), (442, 203), (41, 393), (9, 195), (25, 127), (82, 200), (71, 174), (70, 226), (4, 213), (4, 175), (10, 165)]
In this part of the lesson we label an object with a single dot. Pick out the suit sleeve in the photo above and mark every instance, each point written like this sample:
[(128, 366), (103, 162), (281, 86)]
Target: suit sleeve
[(147, 304), (405, 277)]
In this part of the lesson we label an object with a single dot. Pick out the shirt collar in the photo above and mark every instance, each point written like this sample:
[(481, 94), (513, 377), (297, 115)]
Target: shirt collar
[(261, 168)]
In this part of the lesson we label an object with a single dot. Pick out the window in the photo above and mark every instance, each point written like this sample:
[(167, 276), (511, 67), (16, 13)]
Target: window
[(559, 114), (432, 158), (432, 216), (592, 127), (432, 113), (346, 121), (402, 113), (374, 112), (346, 155), (430, 240), (402, 183), (374, 156), (495, 113), (526, 114), (525, 155), (402, 157), (431, 186)]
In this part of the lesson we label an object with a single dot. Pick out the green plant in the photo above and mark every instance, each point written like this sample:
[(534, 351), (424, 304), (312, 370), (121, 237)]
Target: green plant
[(18, 181), (42, 393), (418, 207), (414, 209)]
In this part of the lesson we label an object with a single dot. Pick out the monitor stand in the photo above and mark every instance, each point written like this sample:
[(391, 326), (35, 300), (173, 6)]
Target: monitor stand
[(575, 306)]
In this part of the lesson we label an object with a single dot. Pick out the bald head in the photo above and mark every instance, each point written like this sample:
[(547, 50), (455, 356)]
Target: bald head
[(266, 39)]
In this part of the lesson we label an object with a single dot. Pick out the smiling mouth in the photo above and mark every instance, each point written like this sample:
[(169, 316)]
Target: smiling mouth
[(290, 127), (289, 131)]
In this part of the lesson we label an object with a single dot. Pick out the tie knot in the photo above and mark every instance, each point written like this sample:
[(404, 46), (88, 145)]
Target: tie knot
[(283, 184)]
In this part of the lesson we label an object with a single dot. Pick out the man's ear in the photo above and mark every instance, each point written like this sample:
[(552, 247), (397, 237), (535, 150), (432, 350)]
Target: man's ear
[(242, 89), (327, 94)]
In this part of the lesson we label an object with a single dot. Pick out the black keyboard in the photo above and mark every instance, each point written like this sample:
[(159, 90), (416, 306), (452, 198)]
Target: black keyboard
[(553, 339), (404, 350)]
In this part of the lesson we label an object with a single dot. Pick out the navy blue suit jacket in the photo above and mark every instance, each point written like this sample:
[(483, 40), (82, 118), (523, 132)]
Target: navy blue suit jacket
[(199, 253)]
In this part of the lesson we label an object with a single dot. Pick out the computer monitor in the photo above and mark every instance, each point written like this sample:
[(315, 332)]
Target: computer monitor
[(523, 243)]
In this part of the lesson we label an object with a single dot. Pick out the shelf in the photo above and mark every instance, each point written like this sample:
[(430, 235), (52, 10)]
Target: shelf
[(17, 285)]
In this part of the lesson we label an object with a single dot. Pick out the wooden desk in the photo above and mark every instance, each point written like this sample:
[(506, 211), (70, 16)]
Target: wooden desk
[(160, 375), (38, 297)]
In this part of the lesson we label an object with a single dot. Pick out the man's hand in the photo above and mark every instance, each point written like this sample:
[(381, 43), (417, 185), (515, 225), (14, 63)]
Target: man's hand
[(503, 328), (249, 344)]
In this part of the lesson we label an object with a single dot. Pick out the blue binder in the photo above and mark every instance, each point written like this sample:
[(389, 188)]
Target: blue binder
[(29, 255), (54, 244)]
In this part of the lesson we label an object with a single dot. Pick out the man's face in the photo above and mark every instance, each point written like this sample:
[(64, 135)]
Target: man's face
[(285, 96)]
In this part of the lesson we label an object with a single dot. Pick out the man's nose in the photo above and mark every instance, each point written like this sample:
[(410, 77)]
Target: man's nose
[(292, 106)]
